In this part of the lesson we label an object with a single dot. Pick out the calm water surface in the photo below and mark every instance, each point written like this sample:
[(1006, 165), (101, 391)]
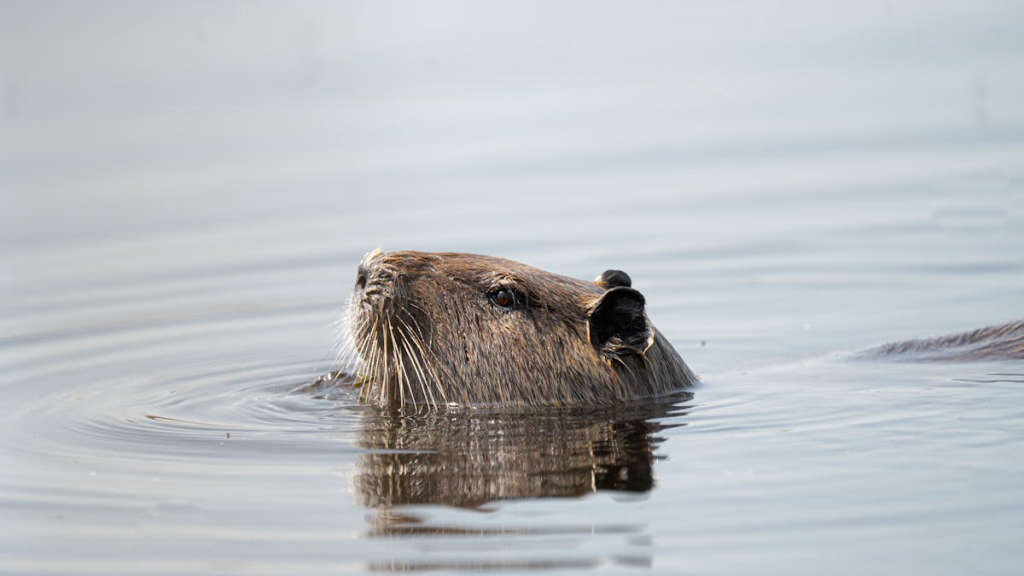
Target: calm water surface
[(186, 192)]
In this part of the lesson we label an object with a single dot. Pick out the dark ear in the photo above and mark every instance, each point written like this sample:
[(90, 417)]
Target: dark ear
[(617, 323), (613, 278)]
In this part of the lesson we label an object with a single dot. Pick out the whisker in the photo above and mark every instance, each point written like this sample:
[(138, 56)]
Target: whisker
[(385, 388), (399, 366), (374, 361), (423, 353), (418, 369)]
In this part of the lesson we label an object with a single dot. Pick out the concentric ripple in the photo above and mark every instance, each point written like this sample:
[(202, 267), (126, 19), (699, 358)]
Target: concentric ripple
[(172, 415)]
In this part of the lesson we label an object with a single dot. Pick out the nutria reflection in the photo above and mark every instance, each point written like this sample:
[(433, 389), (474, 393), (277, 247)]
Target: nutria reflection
[(468, 459)]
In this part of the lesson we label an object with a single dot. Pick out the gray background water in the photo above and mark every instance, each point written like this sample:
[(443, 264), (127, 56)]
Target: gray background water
[(186, 188)]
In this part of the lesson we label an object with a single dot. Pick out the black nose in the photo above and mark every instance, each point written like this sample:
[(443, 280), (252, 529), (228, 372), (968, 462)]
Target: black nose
[(361, 278)]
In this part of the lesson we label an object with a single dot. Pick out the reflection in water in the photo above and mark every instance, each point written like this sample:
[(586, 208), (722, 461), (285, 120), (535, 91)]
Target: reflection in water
[(466, 459)]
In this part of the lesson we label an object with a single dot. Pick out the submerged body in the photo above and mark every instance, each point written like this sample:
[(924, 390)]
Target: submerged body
[(450, 328), (1001, 342)]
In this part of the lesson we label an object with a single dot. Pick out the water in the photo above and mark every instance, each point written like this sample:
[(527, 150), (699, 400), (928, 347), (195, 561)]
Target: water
[(186, 191)]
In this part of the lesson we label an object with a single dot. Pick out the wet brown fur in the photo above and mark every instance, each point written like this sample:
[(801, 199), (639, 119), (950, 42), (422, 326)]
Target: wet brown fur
[(1002, 342), (426, 332)]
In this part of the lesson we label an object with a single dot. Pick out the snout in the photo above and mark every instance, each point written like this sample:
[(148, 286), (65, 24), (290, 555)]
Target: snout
[(370, 278)]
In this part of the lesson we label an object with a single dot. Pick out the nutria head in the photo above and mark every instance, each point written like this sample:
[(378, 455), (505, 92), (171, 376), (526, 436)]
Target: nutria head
[(468, 329)]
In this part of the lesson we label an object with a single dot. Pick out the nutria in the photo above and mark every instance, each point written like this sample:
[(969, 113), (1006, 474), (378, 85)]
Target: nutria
[(466, 329), (1000, 342)]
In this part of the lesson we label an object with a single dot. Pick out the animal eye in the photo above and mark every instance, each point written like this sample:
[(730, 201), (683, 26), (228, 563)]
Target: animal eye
[(504, 298)]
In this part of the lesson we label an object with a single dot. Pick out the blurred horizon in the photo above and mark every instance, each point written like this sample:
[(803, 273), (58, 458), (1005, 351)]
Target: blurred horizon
[(321, 104)]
